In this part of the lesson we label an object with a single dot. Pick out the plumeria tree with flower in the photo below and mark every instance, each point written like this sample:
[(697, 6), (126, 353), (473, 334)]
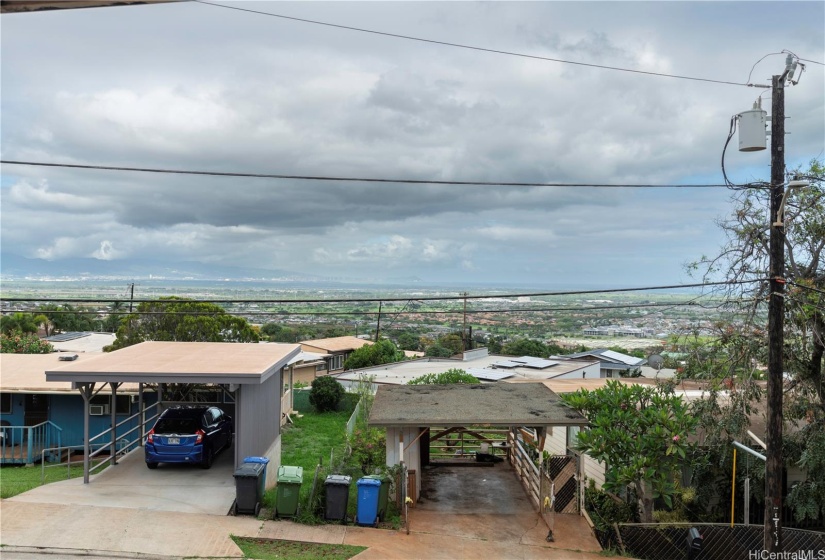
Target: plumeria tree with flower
[(640, 433)]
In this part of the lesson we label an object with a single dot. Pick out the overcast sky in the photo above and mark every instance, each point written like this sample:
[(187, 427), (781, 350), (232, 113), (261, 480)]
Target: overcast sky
[(193, 86)]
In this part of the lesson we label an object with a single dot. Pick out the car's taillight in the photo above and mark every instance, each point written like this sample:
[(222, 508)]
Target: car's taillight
[(150, 437), (200, 434)]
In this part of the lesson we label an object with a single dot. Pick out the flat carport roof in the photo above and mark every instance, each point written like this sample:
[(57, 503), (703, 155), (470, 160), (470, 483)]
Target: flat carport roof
[(490, 404), (232, 364), (180, 362)]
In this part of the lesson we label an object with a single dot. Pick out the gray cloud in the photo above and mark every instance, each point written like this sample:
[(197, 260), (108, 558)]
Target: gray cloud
[(190, 86)]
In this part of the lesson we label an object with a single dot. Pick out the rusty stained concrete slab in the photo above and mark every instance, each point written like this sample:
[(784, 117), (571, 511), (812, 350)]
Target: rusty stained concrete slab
[(490, 504)]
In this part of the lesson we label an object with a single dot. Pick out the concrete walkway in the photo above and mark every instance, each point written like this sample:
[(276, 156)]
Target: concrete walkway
[(120, 532), (110, 518)]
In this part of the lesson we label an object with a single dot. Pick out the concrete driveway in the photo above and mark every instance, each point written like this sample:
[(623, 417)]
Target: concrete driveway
[(489, 503), (129, 484)]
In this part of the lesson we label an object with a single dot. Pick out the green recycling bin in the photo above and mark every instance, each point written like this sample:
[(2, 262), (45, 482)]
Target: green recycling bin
[(288, 490), (383, 494)]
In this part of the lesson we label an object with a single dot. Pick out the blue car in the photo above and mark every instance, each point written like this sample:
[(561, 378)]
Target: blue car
[(188, 434)]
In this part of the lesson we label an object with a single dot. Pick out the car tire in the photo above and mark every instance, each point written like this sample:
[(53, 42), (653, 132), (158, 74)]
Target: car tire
[(230, 440), (152, 466), (208, 456)]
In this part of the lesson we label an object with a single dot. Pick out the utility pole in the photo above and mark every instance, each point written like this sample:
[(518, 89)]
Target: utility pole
[(776, 324), (131, 296), (464, 338), (378, 326)]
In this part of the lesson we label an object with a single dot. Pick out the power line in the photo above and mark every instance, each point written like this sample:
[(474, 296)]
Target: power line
[(809, 288), (470, 47), (459, 311), (353, 179), (389, 299)]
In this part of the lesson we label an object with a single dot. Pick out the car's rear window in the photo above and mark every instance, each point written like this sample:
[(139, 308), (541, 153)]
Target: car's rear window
[(176, 426)]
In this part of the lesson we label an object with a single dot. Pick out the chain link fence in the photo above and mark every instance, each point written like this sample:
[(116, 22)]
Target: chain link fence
[(718, 542)]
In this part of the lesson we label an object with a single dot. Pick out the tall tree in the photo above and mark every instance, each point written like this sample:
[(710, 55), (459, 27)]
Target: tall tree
[(22, 322), (182, 320), (67, 318), (742, 343)]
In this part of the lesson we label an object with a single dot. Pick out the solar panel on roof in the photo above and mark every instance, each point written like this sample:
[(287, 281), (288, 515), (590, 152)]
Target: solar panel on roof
[(63, 337), (489, 374), (537, 363), (624, 358), (508, 364)]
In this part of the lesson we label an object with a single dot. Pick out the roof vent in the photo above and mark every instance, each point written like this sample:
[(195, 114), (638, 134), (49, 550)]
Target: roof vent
[(71, 358)]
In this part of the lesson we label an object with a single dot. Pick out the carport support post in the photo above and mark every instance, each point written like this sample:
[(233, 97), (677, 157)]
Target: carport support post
[(142, 415), (86, 390), (113, 419)]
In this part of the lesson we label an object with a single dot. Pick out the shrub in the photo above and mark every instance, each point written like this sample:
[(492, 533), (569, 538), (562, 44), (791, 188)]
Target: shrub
[(325, 394), (368, 448), (448, 377), (17, 343)]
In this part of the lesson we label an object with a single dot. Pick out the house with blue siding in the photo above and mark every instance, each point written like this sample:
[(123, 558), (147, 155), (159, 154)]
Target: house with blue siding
[(36, 414)]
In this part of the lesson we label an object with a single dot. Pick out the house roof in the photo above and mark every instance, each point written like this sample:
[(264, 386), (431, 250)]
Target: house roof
[(181, 362), (611, 356), (81, 341), (336, 344), (26, 373), (398, 373), (306, 358), (499, 404)]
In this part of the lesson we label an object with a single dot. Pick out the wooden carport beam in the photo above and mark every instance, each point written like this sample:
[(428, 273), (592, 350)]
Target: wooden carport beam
[(424, 431)]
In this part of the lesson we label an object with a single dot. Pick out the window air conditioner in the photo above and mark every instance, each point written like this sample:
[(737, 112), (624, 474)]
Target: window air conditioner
[(98, 409)]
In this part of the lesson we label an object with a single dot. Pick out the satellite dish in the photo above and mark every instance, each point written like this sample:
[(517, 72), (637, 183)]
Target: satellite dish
[(656, 361)]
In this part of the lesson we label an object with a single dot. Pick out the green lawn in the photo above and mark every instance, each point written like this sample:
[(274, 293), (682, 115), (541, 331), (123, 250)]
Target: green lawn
[(266, 549), (15, 480), (308, 441)]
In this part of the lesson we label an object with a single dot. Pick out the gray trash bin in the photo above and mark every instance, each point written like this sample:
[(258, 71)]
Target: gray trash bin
[(337, 499), (262, 482), (248, 484)]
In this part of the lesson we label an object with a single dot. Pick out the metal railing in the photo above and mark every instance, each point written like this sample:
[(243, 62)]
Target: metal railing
[(22, 444), (141, 427), (660, 541), (59, 451)]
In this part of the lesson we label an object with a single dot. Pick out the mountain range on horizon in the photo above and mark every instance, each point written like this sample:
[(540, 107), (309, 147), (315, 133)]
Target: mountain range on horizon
[(17, 267)]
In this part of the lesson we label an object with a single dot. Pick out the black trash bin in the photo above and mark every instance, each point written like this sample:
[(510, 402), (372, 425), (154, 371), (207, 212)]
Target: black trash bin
[(337, 499), (248, 485)]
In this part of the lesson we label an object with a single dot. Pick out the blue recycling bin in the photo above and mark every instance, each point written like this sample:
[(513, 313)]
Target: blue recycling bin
[(262, 481), (369, 490)]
